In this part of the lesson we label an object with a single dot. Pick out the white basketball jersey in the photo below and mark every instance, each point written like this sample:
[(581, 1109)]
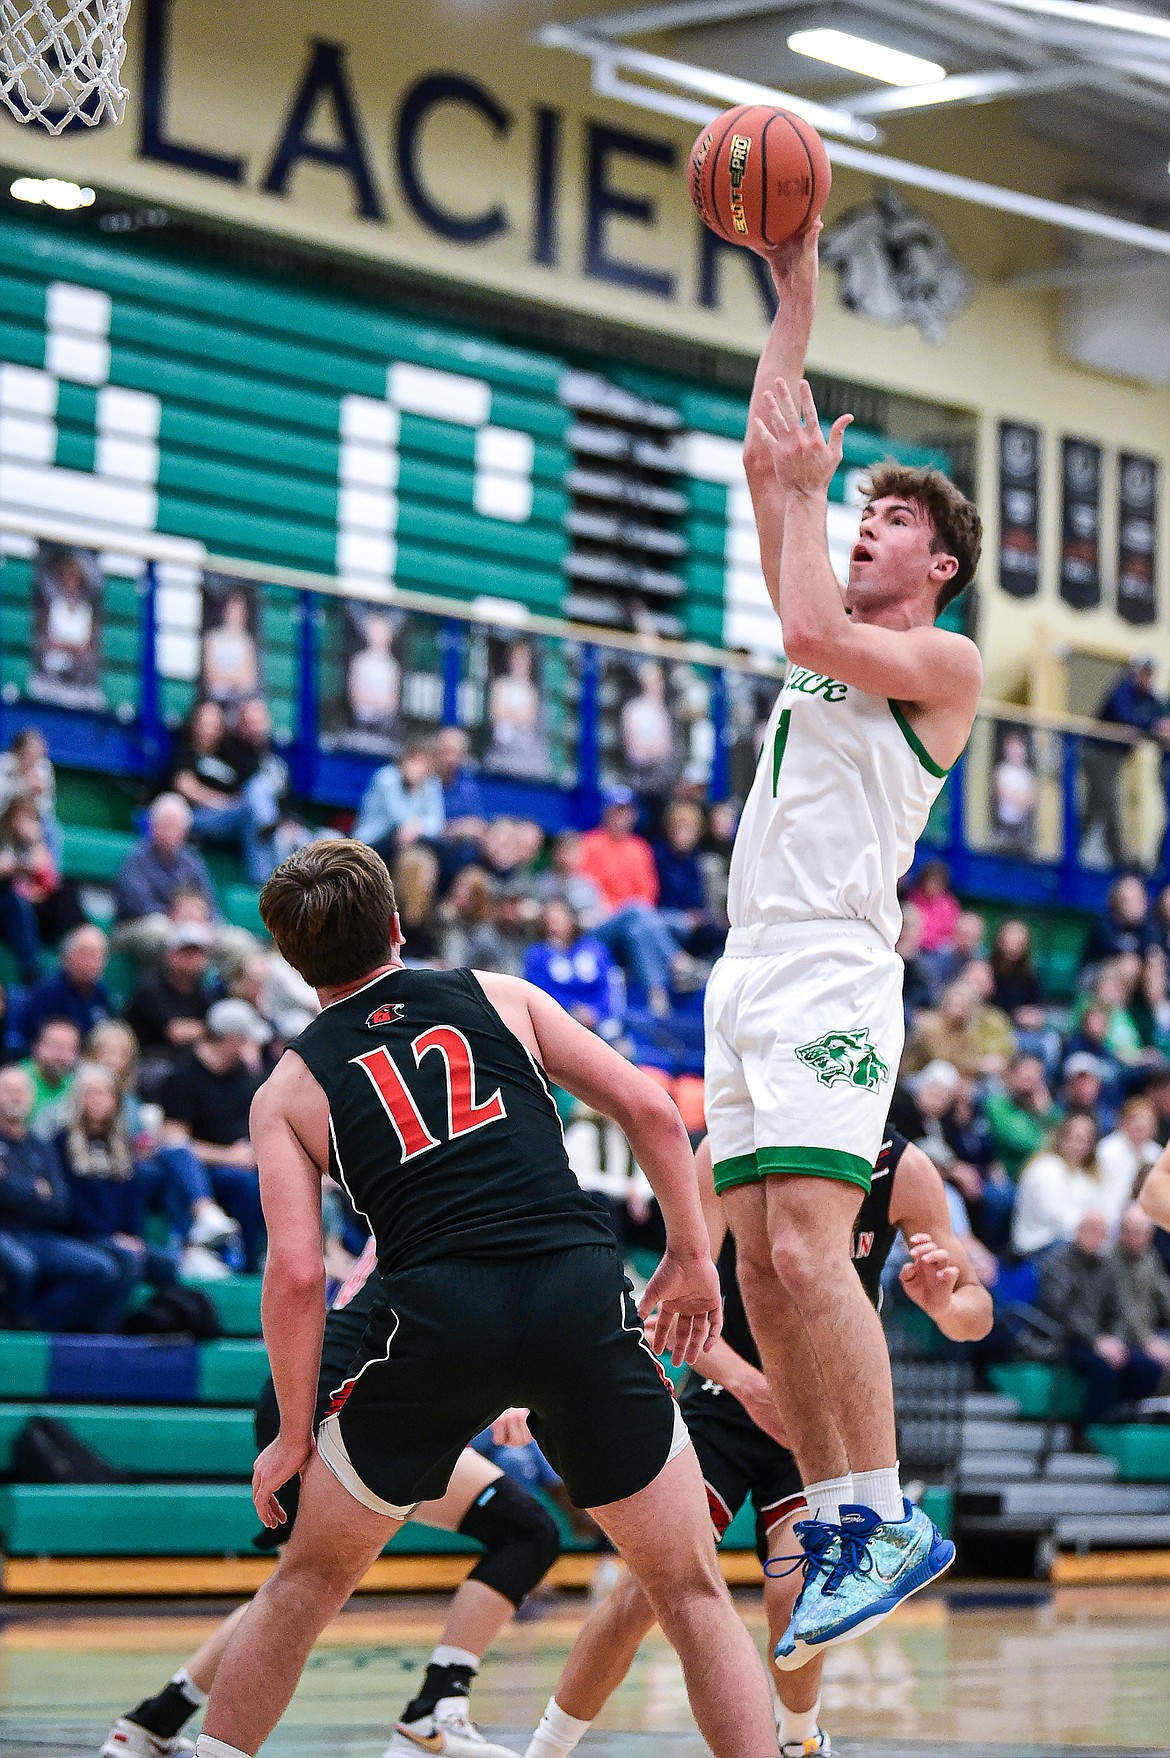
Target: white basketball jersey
[(841, 796)]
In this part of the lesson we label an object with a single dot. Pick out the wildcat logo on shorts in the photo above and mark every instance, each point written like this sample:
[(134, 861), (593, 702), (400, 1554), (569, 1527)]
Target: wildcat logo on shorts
[(845, 1056), (393, 1010)]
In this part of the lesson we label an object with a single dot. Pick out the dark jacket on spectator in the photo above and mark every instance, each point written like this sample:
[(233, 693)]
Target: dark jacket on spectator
[(1144, 1292), (146, 882), (55, 997), (1016, 989), (34, 1191), (1109, 938), (102, 1204), (1080, 1292), (680, 879)]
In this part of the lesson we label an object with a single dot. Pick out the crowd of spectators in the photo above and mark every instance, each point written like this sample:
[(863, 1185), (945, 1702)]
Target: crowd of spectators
[(125, 1161), (124, 1151), (1044, 1117)]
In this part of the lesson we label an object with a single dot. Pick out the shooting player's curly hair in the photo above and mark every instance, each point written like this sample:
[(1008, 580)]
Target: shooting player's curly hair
[(958, 529)]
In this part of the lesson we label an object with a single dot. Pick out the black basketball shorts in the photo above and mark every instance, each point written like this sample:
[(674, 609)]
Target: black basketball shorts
[(739, 1460), (451, 1344)]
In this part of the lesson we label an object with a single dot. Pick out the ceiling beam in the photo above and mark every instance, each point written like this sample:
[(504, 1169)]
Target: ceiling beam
[(673, 15), (958, 89)]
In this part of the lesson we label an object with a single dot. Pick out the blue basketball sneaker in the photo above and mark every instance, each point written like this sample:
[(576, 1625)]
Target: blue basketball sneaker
[(859, 1576)]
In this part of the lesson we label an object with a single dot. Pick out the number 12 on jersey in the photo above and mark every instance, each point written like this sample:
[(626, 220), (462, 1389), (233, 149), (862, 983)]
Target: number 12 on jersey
[(463, 1113)]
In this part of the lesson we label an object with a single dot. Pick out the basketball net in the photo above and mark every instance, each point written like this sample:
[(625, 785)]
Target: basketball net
[(61, 61)]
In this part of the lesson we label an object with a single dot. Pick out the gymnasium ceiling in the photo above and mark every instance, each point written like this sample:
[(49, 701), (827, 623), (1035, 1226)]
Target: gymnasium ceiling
[(1088, 83)]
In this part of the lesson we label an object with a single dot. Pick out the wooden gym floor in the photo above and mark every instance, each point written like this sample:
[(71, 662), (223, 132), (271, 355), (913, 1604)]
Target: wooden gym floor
[(1018, 1672)]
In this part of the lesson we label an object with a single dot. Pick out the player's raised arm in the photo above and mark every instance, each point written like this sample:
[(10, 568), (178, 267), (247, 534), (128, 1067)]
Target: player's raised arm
[(939, 1277), (794, 271), (910, 661), (292, 1306)]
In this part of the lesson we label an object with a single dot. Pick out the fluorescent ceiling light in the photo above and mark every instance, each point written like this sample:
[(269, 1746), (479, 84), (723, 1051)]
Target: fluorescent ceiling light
[(52, 192), (859, 55)]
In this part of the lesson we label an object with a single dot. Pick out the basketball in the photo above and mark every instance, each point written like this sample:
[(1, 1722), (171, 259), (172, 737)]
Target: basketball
[(758, 175)]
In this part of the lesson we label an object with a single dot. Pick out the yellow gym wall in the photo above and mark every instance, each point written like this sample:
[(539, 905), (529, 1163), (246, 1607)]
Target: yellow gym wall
[(204, 127)]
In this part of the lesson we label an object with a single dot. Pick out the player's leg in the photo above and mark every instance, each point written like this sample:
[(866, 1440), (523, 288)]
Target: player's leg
[(335, 1540), (798, 1691), (664, 1534), (154, 1728), (602, 1654), (521, 1543)]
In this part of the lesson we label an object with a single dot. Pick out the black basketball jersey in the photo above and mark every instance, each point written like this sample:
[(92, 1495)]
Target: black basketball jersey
[(443, 1129), (873, 1240)]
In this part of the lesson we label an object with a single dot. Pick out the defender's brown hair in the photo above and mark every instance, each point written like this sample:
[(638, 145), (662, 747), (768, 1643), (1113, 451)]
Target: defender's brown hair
[(328, 908), (958, 529)]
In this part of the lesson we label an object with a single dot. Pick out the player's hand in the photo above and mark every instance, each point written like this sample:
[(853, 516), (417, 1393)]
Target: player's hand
[(281, 1461), (510, 1429), (803, 459), (795, 264), (930, 1276), (682, 1308), (755, 1394)]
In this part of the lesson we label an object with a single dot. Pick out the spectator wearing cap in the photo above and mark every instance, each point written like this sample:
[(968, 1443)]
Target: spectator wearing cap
[(576, 970), (1091, 1039), (161, 864), (168, 1008), (55, 1282), (1020, 1113), (1060, 1186), (75, 990), (206, 1100), (52, 1063), (403, 803), (620, 863)]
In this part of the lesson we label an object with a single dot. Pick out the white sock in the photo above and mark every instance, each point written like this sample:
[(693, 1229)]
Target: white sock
[(880, 1490), (188, 1687), (557, 1733), (824, 1499), (799, 1724), (445, 1655), (206, 1747)]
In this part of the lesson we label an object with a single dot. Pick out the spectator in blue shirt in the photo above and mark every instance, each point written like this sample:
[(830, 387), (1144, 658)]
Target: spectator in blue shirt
[(402, 804), (55, 1282), (108, 1194), (1133, 702), (162, 864), (75, 990), (1126, 926), (575, 969), (682, 892), (463, 805)]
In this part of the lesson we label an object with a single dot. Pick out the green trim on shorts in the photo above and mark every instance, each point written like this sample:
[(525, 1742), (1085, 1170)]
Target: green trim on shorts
[(816, 1163), (917, 746), (796, 1162), (740, 1169)]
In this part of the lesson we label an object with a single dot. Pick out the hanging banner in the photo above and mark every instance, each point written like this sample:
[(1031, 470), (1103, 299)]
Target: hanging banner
[(67, 628), (1019, 509), (1137, 538), (1080, 524)]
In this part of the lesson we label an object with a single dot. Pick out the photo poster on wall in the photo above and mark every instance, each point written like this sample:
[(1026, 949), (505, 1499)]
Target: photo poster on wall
[(67, 628), (1014, 781), (229, 641), (518, 700), (1080, 524), (1138, 488), (750, 701), (1019, 509), (655, 723), (380, 678)]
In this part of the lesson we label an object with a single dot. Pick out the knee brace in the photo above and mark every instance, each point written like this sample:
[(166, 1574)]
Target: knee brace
[(520, 1539)]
